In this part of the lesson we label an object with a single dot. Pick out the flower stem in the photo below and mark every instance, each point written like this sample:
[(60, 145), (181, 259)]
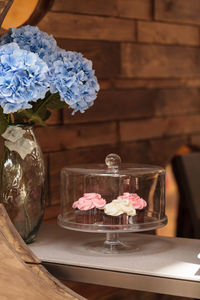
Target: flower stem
[(12, 118)]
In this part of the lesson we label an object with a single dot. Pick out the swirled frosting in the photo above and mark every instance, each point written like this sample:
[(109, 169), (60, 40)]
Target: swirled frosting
[(134, 199), (89, 201), (118, 207)]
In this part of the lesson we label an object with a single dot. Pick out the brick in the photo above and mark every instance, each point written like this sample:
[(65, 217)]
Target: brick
[(134, 152), (115, 105), (195, 142), (178, 11), (138, 103), (152, 61), (102, 7), (160, 127), (51, 212), (105, 84), (105, 56), (55, 138), (162, 33), (142, 129), (87, 27), (55, 118), (175, 102), (155, 83), (156, 151), (137, 9), (161, 151)]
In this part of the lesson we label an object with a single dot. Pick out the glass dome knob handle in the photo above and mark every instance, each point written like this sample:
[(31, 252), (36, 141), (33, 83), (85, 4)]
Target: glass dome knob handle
[(113, 161)]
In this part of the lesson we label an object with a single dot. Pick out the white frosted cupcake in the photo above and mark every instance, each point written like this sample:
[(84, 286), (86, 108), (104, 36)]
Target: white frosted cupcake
[(118, 212)]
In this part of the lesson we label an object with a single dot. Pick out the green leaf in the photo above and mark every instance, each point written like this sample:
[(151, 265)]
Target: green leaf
[(35, 118), (3, 121), (37, 105), (54, 102), (20, 117), (39, 112), (29, 116)]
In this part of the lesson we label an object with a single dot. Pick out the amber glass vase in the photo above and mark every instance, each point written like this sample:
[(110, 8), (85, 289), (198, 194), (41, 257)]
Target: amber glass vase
[(23, 180)]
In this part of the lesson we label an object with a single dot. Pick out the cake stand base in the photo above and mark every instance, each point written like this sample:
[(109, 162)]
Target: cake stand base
[(112, 245)]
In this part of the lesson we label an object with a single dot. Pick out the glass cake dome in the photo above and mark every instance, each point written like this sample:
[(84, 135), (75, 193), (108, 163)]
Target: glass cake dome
[(112, 197)]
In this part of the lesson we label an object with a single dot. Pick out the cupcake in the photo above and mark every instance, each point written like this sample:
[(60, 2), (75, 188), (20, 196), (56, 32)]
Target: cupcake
[(89, 208), (118, 212), (138, 203)]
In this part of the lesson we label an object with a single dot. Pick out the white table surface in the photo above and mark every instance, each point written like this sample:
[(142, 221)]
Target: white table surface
[(159, 264)]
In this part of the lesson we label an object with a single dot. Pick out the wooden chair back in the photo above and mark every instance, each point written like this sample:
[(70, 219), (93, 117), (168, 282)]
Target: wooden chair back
[(187, 173)]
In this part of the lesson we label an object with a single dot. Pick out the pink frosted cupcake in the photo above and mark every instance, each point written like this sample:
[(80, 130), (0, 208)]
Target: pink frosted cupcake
[(89, 208), (138, 203)]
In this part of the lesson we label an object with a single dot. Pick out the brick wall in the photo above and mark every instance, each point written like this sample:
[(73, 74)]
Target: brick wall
[(147, 58)]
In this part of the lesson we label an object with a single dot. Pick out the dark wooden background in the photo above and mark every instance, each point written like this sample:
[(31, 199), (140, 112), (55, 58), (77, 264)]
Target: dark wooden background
[(147, 58)]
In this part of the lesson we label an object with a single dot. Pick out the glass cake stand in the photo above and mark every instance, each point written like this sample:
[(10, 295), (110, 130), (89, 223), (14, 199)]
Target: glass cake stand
[(88, 191)]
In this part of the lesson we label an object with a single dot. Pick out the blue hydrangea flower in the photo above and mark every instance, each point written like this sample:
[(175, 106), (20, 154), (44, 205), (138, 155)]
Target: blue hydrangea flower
[(70, 73), (73, 77), (23, 78), (30, 38)]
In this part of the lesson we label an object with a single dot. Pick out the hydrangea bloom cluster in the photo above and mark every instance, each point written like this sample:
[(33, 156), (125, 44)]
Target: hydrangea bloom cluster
[(70, 74), (22, 78), (30, 38)]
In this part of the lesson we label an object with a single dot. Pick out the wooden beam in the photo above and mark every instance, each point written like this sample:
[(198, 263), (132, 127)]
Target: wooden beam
[(22, 275), (178, 11), (156, 61), (88, 27)]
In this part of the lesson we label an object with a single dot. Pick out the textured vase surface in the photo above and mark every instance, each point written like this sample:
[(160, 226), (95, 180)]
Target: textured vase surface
[(23, 180)]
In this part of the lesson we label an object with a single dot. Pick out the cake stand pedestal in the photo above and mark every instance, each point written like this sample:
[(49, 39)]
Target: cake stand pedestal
[(112, 243)]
